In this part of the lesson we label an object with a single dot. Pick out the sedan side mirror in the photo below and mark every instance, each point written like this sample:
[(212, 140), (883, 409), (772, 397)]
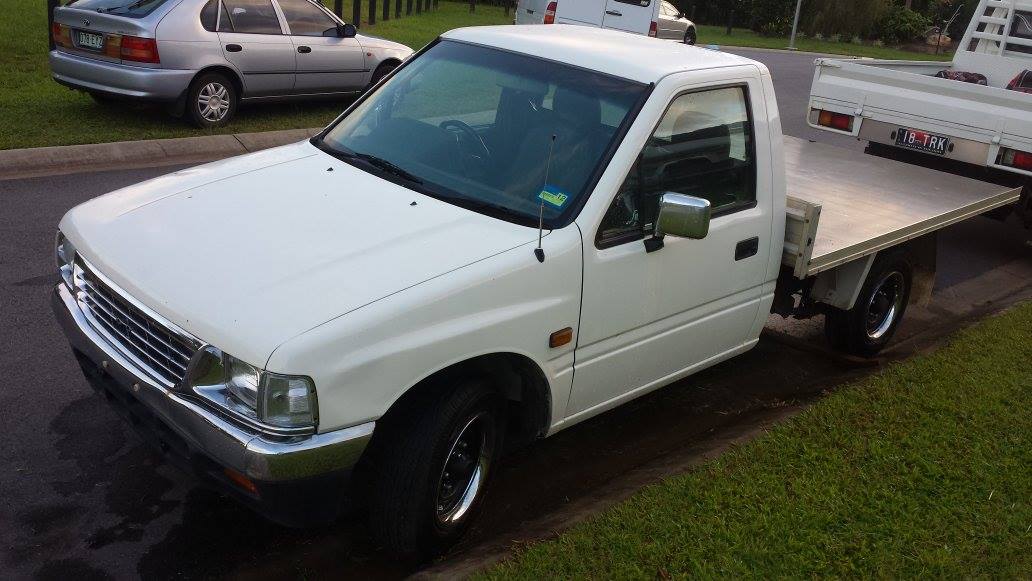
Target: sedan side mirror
[(346, 30), (683, 216)]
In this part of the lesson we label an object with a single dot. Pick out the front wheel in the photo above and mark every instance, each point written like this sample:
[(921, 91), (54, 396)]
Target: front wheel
[(211, 101), (690, 36), (869, 326), (430, 467), (382, 71)]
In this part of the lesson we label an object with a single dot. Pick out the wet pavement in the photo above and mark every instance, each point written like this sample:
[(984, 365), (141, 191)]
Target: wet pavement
[(82, 497)]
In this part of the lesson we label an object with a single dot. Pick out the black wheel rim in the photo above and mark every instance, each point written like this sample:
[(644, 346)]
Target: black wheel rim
[(465, 470), (885, 304)]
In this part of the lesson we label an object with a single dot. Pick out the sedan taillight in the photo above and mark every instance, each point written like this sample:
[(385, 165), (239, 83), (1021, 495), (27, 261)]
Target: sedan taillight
[(140, 50), (62, 37), (653, 29)]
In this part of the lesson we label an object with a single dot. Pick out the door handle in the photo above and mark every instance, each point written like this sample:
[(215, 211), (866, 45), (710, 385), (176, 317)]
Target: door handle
[(234, 48), (304, 49), (613, 13), (747, 248)]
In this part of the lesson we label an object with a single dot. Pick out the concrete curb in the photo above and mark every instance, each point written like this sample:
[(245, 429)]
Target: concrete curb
[(67, 159)]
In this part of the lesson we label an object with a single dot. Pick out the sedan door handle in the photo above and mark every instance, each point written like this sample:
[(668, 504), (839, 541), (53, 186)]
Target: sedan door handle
[(613, 13), (747, 248), (304, 49), (234, 48)]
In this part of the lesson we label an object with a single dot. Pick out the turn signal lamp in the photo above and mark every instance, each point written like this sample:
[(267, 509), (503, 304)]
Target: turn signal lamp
[(550, 12)]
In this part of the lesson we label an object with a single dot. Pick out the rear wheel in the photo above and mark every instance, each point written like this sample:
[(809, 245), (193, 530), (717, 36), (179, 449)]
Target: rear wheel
[(430, 467), (690, 36), (869, 326), (211, 101)]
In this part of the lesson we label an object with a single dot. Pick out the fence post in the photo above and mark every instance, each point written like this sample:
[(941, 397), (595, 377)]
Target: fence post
[(419, 6), (730, 20), (386, 10), (397, 8), (372, 12), (356, 12), (338, 8), (408, 7), (51, 4), (472, 5)]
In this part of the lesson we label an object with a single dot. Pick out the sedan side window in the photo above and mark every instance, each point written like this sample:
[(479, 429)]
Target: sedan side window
[(702, 147), (249, 16), (305, 19)]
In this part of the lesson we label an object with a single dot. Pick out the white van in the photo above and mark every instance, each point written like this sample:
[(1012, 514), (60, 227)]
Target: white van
[(637, 16)]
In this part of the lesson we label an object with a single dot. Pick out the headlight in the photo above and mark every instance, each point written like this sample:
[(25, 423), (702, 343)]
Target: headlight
[(64, 252), (272, 399)]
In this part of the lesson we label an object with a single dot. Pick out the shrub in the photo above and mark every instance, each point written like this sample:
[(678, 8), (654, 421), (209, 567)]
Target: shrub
[(901, 26)]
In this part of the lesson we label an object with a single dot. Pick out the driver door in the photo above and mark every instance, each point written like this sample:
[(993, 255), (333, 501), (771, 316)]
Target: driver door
[(654, 313), (326, 63)]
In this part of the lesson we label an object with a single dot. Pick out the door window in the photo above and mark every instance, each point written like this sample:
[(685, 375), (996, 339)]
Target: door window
[(249, 16), (305, 19), (702, 147), (1021, 28)]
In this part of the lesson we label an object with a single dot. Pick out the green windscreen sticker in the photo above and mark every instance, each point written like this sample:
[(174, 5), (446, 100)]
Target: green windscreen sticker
[(554, 196)]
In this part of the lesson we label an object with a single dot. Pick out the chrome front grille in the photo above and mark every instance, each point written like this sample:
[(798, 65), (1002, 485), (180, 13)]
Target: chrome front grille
[(163, 351)]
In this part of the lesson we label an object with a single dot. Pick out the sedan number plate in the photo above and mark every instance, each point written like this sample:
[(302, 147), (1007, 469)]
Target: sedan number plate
[(89, 40), (922, 141)]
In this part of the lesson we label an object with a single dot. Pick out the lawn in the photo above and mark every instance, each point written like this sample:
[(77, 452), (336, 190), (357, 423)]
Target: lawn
[(746, 38), (923, 470), (36, 111)]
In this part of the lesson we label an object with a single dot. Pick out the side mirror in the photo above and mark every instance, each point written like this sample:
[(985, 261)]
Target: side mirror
[(346, 30), (683, 216)]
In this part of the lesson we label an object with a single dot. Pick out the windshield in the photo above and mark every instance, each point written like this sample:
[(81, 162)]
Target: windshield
[(130, 8), (475, 126)]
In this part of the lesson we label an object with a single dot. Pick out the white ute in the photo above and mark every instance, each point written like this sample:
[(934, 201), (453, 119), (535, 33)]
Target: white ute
[(905, 112), (374, 315)]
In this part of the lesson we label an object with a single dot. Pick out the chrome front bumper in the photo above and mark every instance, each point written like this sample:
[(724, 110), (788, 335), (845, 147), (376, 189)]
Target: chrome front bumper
[(297, 481)]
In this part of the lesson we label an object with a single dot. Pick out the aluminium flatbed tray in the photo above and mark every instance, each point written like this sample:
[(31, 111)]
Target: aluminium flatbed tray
[(844, 205)]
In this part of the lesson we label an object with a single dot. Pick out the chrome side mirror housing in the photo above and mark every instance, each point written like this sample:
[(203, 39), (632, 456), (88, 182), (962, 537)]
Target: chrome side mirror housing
[(682, 216)]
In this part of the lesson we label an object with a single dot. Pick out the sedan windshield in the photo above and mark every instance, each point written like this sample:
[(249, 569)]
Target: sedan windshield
[(501, 133)]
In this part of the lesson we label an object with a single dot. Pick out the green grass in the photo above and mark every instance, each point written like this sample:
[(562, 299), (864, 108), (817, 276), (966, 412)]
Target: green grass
[(35, 111), (747, 38), (923, 470)]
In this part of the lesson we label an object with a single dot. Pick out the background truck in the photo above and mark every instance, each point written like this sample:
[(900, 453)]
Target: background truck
[(905, 112), (373, 316)]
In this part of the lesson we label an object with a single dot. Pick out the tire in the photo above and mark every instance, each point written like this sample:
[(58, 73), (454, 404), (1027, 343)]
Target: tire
[(690, 36), (869, 326), (424, 488), (381, 71), (214, 89)]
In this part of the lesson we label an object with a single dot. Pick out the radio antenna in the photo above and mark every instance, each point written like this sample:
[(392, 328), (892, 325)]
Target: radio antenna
[(540, 252)]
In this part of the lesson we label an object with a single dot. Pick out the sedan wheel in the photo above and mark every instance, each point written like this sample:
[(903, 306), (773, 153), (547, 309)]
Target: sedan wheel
[(211, 101), (690, 36)]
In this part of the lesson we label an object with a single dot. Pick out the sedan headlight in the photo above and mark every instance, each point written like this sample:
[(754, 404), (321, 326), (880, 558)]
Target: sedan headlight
[(270, 399), (64, 253)]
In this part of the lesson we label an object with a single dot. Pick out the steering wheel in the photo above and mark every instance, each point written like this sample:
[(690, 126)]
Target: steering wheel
[(481, 153)]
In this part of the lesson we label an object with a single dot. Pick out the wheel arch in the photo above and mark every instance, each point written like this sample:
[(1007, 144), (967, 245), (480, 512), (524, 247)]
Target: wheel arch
[(517, 377), (234, 77)]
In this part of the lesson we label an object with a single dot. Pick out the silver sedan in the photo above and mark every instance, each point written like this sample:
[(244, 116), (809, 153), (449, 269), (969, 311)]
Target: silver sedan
[(206, 57), (672, 24)]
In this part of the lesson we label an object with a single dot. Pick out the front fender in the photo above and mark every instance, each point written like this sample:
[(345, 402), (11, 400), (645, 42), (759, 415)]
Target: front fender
[(366, 360)]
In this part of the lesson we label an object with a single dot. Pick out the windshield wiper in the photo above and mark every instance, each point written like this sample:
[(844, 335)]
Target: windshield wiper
[(387, 166)]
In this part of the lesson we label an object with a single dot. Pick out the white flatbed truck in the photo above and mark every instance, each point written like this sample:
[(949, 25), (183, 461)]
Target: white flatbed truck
[(905, 112), (371, 315)]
